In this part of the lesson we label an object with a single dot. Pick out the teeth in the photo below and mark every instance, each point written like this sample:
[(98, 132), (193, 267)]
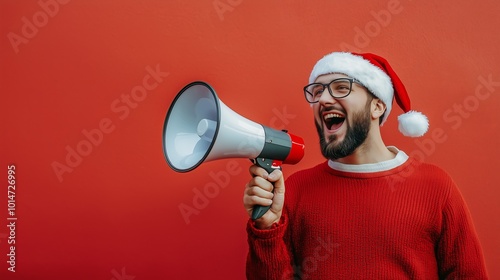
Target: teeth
[(332, 115)]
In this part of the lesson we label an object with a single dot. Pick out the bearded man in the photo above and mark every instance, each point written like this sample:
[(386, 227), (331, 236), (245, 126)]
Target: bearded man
[(369, 211)]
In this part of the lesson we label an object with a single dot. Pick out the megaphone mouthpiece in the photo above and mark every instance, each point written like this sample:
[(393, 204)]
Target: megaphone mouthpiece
[(296, 151), (283, 146)]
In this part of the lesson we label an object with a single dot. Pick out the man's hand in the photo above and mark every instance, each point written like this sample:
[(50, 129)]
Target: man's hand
[(260, 191)]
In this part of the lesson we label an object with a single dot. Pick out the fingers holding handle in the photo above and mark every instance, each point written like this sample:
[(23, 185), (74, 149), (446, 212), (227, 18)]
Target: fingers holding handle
[(269, 165)]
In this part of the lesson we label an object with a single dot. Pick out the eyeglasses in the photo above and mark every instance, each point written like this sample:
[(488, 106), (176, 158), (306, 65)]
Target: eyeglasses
[(338, 88)]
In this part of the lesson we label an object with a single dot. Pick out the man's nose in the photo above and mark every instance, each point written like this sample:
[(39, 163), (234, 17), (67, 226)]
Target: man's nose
[(326, 97)]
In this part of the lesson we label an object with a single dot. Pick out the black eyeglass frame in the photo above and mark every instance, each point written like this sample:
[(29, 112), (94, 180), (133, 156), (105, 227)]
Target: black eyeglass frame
[(351, 81)]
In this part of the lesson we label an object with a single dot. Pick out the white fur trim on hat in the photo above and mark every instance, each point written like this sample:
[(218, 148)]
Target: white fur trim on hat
[(354, 66)]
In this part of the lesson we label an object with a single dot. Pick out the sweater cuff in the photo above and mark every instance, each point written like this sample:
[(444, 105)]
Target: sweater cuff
[(276, 230)]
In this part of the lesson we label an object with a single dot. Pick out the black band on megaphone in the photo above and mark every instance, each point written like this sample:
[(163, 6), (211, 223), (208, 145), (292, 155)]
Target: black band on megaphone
[(277, 144)]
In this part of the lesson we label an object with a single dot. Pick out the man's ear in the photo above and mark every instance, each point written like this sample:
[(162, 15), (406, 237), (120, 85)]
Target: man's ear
[(378, 108)]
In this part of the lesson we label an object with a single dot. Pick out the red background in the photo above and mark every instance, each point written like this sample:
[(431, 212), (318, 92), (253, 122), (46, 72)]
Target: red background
[(116, 214)]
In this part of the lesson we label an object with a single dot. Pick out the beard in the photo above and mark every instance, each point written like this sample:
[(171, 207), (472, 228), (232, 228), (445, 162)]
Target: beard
[(356, 134)]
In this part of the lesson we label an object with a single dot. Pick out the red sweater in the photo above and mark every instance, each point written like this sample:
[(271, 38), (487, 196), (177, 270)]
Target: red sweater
[(408, 222)]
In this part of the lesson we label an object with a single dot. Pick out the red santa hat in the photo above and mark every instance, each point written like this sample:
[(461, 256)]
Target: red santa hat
[(375, 73)]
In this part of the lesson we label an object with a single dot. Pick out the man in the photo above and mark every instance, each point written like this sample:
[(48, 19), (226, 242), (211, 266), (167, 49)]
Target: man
[(369, 211)]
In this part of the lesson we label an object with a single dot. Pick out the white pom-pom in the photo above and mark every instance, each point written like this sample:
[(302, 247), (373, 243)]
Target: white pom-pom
[(413, 124)]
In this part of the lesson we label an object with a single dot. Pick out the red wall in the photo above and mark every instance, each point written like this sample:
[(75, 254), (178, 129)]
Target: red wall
[(82, 118)]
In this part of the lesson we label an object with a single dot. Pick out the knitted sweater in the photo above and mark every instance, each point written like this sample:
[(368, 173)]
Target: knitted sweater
[(375, 221)]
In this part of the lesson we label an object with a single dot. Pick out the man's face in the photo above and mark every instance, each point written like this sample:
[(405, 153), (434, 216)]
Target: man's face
[(343, 124)]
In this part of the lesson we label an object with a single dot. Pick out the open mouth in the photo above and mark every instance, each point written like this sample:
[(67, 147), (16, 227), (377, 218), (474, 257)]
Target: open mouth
[(333, 121)]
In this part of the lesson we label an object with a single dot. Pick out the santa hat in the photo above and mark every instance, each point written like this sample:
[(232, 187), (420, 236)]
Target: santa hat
[(375, 73)]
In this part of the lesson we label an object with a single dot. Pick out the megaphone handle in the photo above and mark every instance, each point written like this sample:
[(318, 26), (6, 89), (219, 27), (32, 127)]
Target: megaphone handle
[(269, 165)]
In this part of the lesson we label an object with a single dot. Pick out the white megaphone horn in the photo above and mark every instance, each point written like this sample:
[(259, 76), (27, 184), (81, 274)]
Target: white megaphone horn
[(200, 128)]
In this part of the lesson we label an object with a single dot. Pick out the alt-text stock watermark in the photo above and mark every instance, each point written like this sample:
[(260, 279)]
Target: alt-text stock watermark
[(31, 25), (378, 21), (121, 107), (453, 118)]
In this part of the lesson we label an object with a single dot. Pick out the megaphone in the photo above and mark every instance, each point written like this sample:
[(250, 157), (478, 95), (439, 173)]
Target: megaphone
[(199, 127)]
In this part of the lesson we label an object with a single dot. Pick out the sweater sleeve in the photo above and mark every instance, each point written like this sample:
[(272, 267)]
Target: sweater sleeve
[(459, 252), (269, 255)]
